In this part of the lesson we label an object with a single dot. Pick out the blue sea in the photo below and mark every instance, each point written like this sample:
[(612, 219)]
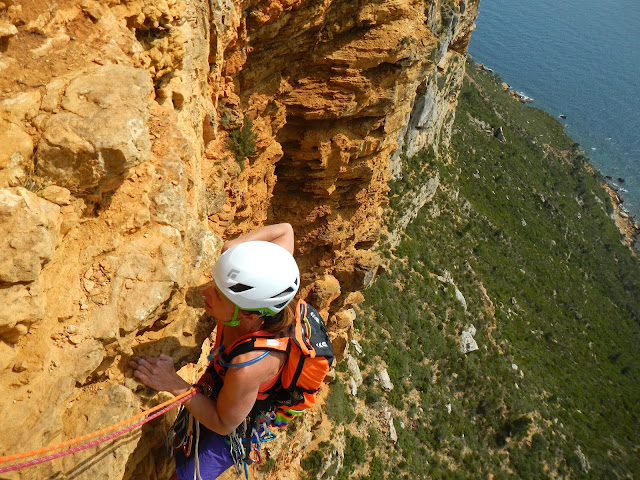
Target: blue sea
[(579, 58)]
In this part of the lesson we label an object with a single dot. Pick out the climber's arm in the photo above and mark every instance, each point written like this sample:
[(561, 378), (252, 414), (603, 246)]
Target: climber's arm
[(280, 234)]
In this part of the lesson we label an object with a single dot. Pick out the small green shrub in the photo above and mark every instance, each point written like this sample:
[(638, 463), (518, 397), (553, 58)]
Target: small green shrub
[(268, 465), (312, 463), (32, 181), (225, 118), (339, 407), (242, 141), (372, 395), (374, 438)]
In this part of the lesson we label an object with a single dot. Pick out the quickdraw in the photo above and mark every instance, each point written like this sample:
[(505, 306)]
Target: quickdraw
[(180, 435)]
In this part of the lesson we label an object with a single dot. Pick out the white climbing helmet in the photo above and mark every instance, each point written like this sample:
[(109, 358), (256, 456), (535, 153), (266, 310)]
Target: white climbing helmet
[(257, 276)]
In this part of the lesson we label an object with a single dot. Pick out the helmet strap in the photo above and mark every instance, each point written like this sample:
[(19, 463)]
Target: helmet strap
[(234, 322)]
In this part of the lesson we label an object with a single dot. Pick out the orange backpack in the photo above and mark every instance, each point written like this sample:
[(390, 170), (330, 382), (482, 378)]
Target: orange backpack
[(309, 358)]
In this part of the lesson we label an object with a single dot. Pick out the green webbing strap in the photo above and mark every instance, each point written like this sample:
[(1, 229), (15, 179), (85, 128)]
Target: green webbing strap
[(234, 322)]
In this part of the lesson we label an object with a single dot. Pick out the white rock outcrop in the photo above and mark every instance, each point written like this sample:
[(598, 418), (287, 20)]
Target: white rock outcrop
[(393, 435), (354, 370), (448, 279), (467, 342), (385, 381)]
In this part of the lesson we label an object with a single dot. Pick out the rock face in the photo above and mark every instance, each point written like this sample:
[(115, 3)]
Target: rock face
[(118, 185), (29, 233), (100, 132)]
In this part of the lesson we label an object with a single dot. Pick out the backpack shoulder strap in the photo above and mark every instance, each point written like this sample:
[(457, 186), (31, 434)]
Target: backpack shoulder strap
[(302, 329), (259, 341)]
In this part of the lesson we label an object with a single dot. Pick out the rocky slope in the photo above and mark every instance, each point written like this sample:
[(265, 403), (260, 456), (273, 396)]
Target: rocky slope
[(117, 183)]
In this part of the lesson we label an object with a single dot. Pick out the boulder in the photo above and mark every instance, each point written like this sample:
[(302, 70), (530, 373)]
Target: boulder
[(393, 435), (460, 298), (106, 407), (31, 423), (353, 386), (29, 234), (23, 106), (169, 205), (147, 272), (55, 194), (467, 342), (17, 147), (7, 31), (80, 362), (354, 298), (357, 347), (8, 354), (340, 342), (447, 278), (142, 304), (385, 381), (344, 318), (103, 324), (584, 462), (354, 370), (101, 132), (367, 263), (324, 291), (22, 306)]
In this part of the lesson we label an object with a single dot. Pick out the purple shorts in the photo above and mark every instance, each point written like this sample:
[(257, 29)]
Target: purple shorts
[(214, 457)]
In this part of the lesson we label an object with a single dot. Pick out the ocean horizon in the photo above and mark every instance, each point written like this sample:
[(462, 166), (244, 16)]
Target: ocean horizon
[(579, 61)]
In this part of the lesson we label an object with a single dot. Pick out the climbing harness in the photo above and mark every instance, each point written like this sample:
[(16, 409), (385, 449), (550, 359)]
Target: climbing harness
[(246, 441), (244, 444), (150, 414)]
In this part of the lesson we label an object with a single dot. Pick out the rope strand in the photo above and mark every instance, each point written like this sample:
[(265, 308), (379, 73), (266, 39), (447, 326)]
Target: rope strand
[(150, 414)]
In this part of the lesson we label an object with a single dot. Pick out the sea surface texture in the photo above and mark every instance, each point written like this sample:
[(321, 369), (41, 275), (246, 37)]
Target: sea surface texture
[(580, 59)]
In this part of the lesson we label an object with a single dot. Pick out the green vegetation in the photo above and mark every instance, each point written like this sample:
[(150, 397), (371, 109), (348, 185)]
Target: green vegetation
[(311, 463), (32, 181), (242, 141), (338, 405), (523, 229), (268, 465)]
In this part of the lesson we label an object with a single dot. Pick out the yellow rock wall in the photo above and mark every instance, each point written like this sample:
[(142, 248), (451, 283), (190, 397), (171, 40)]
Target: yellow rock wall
[(117, 186)]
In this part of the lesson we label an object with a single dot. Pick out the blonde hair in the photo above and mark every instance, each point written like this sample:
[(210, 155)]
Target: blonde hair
[(280, 323)]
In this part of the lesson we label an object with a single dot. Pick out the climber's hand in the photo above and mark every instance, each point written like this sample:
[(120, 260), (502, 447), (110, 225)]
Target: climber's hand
[(158, 373)]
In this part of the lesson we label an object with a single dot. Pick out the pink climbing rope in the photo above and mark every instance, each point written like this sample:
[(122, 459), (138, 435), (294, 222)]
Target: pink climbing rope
[(94, 443)]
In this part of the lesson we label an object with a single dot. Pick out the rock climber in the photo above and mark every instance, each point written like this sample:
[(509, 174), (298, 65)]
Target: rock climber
[(255, 279)]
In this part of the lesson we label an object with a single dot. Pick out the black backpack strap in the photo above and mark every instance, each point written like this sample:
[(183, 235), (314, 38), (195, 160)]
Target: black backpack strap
[(304, 308)]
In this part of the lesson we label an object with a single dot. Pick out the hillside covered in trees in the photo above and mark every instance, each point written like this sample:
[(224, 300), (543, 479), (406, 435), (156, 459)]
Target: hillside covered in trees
[(518, 249)]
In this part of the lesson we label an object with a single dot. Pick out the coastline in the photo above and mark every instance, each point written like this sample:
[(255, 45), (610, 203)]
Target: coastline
[(522, 40), (625, 222)]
